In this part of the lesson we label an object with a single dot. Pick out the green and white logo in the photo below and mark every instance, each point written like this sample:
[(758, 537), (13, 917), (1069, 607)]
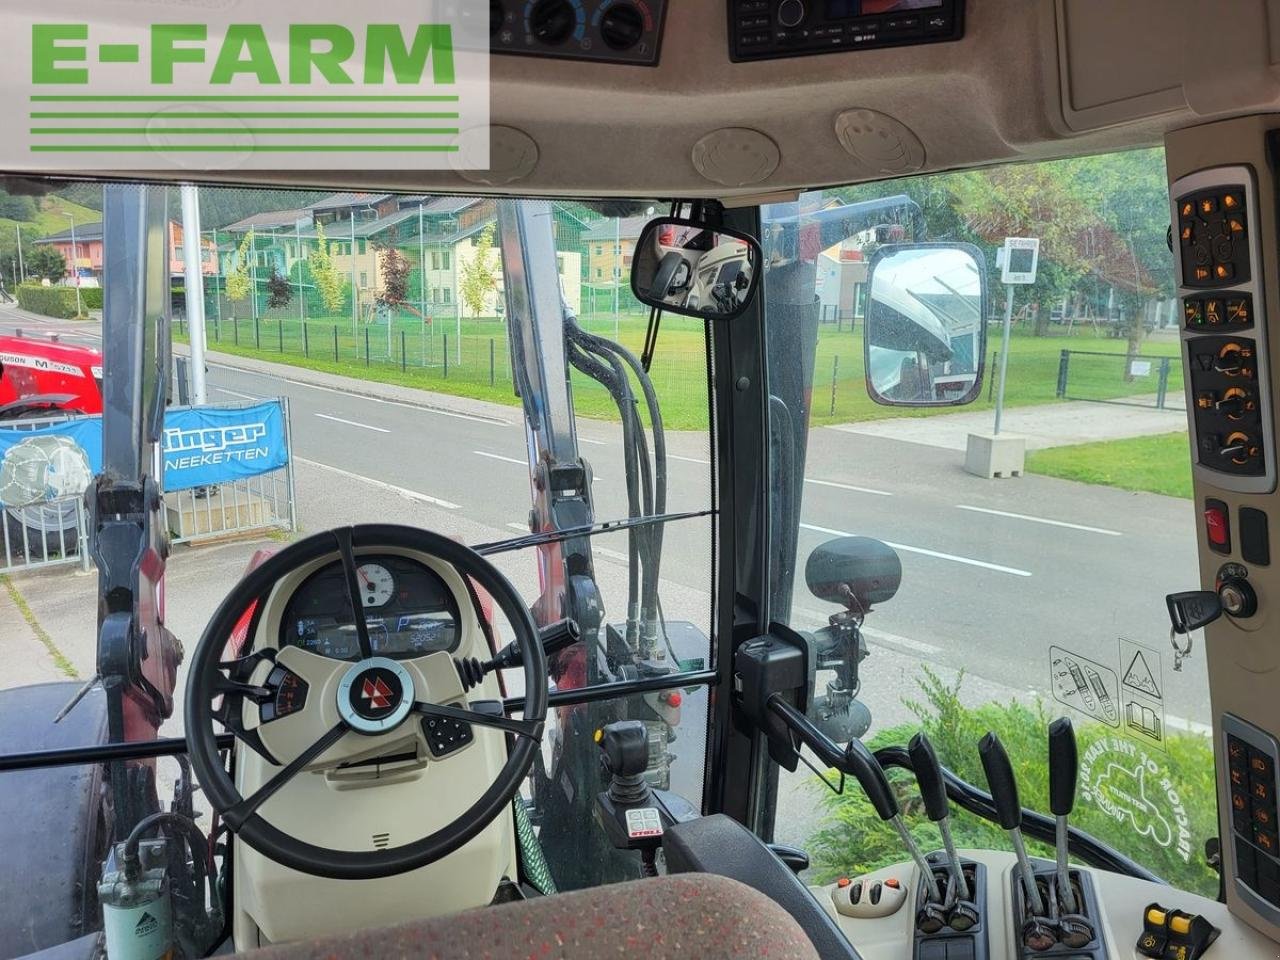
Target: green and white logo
[(202, 85)]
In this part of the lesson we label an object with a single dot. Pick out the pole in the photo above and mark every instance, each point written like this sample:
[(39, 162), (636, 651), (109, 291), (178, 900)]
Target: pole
[(422, 266), (366, 346), (835, 371), (22, 267), (617, 270), (446, 356), (491, 365), (1004, 355), (253, 276), (193, 266), (354, 299), (335, 343), (75, 265), (402, 350)]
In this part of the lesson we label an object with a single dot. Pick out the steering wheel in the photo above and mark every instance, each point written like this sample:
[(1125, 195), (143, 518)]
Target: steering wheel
[(400, 696)]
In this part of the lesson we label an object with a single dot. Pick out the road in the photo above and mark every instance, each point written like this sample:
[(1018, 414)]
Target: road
[(995, 573)]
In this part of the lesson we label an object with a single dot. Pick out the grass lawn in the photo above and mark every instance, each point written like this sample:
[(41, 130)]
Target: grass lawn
[(1158, 464), (49, 219), (412, 353)]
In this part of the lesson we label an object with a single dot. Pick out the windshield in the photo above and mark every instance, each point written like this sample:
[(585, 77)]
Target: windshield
[(1024, 598), (379, 358)]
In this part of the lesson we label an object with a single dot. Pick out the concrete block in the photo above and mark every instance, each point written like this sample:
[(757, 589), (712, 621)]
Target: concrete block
[(193, 518), (991, 456)]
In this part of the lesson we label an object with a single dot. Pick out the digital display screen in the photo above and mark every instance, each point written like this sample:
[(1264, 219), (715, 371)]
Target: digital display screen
[(843, 9)]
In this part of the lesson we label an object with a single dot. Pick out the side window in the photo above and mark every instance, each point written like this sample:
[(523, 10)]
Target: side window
[(1002, 604)]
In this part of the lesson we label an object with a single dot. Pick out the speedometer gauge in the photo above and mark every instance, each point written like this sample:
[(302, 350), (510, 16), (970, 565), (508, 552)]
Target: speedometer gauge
[(376, 584)]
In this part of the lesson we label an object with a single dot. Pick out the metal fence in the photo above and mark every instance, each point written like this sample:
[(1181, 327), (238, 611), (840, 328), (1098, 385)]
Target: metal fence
[(1131, 379), (261, 502)]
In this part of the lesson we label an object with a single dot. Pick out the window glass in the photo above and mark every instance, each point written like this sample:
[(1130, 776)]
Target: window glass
[(399, 403), (1021, 599)]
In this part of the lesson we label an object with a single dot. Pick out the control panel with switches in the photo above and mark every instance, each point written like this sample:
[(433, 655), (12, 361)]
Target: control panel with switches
[(1224, 328), (1251, 791), (613, 31)]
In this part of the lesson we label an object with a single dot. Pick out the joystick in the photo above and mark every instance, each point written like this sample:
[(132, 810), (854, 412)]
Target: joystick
[(1074, 928), (1004, 795)]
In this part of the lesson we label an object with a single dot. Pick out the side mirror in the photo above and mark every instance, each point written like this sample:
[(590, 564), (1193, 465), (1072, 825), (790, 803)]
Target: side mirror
[(926, 327), (691, 268), (855, 572)]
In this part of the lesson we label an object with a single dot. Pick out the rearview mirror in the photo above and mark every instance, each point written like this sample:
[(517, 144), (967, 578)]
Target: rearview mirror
[(926, 325), (688, 267)]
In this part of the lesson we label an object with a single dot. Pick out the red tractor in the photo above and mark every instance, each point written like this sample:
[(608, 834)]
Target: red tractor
[(45, 379)]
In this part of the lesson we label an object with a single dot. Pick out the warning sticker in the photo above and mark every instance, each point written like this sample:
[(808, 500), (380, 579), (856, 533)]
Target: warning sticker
[(1084, 685), (1141, 692)]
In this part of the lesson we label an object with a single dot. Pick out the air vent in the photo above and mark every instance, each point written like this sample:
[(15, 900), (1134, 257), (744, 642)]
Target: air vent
[(381, 841)]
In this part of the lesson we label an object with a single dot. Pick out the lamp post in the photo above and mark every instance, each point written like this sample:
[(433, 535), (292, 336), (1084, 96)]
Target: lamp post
[(75, 264)]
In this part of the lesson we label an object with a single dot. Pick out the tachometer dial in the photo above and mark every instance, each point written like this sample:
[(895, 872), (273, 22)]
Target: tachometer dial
[(377, 586)]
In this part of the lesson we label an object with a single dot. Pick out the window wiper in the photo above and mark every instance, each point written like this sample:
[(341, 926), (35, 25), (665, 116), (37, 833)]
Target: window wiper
[(591, 530)]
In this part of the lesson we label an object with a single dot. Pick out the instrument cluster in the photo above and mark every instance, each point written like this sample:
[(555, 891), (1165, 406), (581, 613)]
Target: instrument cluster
[(407, 607)]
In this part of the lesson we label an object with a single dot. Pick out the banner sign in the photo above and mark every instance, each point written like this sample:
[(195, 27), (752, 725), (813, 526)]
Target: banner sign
[(205, 446), (49, 463), (231, 84)]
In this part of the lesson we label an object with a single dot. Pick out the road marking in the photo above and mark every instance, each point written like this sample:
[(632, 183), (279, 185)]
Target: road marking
[(498, 456), (614, 555), (233, 393), (423, 408), (352, 423), (1053, 523), (522, 527), (968, 561), (382, 485), (846, 486), (598, 443), (672, 456)]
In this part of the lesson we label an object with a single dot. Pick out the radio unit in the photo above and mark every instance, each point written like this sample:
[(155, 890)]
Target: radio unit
[(770, 29)]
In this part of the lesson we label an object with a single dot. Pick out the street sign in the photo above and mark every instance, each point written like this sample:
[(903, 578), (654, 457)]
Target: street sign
[(1019, 258)]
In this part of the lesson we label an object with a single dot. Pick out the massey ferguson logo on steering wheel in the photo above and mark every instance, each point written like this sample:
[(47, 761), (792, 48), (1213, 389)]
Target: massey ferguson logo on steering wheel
[(376, 693)]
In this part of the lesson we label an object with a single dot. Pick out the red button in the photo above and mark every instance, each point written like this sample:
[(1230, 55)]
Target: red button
[(1215, 525), (843, 882), (892, 882)]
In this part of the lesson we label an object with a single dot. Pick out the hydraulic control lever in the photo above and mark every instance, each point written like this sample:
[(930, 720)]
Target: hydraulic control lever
[(1063, 764), (1004, 794), (933, 792), (856, 761)]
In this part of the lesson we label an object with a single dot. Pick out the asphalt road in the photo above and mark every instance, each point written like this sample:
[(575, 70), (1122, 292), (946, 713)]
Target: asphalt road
[(995, 573)]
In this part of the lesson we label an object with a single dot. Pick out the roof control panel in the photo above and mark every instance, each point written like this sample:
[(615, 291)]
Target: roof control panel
[(770, 29), (1224, 330), (614, 31)]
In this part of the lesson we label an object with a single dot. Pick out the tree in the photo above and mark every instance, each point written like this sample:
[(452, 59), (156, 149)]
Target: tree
[(47, 263), (279, 293), (17, 207), (477, 279), (238, 283), (330, 284), (395, 278)]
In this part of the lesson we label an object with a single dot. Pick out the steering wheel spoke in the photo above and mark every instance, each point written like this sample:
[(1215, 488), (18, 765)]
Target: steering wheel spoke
[(347, 551), (236, 815), (529, 729)]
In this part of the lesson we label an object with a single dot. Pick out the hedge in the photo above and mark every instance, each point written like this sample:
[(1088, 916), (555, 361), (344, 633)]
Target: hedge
[(92, 297), (57, 302)]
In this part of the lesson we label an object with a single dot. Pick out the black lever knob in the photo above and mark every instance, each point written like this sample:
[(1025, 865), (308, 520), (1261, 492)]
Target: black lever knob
[(554, 637), (929, 776), (864, 767), (1004, 788), (1064, 763)]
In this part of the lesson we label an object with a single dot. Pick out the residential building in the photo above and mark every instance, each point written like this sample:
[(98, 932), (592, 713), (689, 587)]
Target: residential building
[(84, 257)]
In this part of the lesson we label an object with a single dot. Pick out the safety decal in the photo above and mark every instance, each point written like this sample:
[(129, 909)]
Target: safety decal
[(1132, 788), (1141, 693), (1084, 685)]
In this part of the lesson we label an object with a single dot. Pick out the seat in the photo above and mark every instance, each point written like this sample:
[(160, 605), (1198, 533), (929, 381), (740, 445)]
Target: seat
[(664, 918), (721, 845)]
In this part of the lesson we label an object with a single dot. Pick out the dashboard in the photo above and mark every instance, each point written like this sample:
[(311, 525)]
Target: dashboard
[(407, 607)]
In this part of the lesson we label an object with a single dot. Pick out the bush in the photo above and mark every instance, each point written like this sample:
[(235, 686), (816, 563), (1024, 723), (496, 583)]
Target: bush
[(92, 297), (1177, 784), (57, 302)]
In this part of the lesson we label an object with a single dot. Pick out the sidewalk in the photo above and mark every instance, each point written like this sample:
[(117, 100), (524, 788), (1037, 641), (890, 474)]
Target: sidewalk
[(1043, 425)]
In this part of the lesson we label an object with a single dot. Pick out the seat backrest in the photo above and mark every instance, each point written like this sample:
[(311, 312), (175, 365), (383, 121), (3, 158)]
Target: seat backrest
[(664, 918), (721, 845)]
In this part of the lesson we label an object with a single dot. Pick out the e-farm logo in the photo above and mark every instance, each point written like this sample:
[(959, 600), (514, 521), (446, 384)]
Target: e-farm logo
[(263, 88)]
